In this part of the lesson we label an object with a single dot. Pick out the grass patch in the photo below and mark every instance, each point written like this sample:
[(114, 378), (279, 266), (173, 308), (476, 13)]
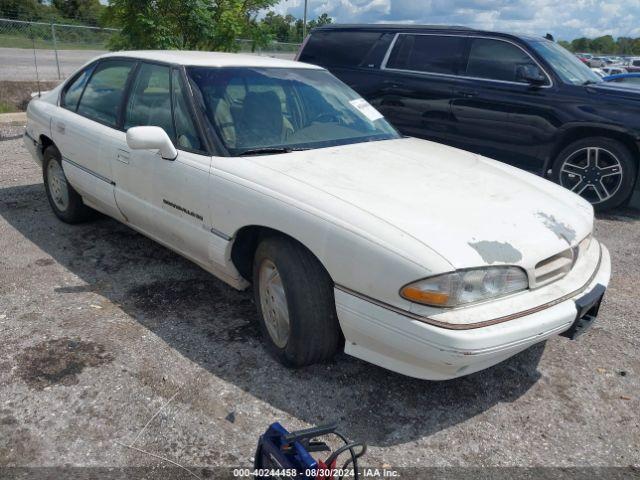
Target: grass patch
[(7, 108)]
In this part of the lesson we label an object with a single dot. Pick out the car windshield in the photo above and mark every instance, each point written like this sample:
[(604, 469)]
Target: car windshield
[(566, 65), (269, 110)]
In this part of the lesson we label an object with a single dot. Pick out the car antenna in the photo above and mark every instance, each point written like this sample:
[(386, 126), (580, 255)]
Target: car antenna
[(548, 36), (35, 62)]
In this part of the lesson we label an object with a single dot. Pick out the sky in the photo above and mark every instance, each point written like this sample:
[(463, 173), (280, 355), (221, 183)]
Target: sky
[(566, 20)]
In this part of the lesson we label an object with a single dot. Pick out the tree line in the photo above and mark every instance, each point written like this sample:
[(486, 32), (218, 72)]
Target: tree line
[(604, 45), (170, 24)]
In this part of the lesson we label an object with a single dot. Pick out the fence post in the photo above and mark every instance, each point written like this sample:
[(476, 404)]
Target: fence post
[(55, 47)]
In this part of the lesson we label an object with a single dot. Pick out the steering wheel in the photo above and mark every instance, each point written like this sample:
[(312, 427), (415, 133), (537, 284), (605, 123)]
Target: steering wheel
[(325, 118)]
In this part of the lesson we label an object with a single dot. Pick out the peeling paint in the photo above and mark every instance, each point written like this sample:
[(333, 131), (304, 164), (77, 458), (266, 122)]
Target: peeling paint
[(492, 251), (562, 230)]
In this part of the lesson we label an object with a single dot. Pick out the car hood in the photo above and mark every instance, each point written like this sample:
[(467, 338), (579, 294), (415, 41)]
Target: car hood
[(471, 210)]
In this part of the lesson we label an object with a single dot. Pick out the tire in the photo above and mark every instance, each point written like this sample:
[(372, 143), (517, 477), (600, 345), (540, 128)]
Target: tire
[(605, 182), (65, 202), (312, 334)]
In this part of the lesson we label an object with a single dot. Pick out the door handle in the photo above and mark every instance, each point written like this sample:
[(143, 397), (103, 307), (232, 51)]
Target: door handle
[(60, 127), (123, 156), (466, 94)]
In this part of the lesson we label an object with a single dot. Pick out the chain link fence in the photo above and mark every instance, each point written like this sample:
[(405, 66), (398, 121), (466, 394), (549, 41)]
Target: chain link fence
[(37, 55)]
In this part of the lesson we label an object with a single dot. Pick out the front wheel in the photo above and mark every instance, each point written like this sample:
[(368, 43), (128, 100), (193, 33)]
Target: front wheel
[(296, 305), (599, 169)]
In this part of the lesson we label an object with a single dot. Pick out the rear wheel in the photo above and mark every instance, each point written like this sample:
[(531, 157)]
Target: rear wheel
[(599, 169), (65, 202), (296, 305)]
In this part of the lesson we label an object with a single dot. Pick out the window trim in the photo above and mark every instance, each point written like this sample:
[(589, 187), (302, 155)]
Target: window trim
[(207, 150), (387, 55)]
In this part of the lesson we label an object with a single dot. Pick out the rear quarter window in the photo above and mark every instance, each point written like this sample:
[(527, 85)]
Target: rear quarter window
[(339, 49)]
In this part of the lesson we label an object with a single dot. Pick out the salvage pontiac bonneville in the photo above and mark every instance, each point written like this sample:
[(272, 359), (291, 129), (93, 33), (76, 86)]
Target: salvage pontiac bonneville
[(424, 259)]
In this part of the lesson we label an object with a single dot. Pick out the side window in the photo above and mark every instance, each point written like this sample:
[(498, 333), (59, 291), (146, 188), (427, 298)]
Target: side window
[(150, 100), (72, 92), (339, 49), (428, 53), (103, 94), (186, 134), (496, 60)]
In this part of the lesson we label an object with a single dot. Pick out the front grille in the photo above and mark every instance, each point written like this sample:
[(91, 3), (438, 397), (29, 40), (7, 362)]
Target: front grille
[(554, 268)]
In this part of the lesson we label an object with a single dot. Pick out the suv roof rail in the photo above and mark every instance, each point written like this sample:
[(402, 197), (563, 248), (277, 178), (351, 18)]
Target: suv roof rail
[(390, 26)]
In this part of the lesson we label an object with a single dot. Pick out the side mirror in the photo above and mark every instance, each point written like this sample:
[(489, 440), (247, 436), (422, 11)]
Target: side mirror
[(530, 74), (151, 138)]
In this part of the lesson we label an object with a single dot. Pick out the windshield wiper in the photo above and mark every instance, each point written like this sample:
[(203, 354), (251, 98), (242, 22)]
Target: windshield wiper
[(589, 82), (268, 150)]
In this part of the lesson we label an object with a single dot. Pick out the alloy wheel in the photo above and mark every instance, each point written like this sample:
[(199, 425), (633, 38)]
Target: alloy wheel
[(593, 173)]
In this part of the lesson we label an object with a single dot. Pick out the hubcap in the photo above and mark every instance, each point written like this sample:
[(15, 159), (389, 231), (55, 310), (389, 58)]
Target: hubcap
[(57, 183), (593, 173), (273, 302)]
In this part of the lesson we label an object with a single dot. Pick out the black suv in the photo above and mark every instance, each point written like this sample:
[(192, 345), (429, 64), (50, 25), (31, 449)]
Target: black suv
[(522, 100)]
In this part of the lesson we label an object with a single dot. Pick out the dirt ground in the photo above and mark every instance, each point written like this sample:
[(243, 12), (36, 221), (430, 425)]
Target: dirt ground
[(102, 329), (14, 96)]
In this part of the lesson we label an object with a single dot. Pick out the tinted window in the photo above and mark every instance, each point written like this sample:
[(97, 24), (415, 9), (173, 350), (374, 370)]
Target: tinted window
[(150, 99), (427, 53), (74, 90), (336, 48), (102, 96), (186, 134), (496, 60)]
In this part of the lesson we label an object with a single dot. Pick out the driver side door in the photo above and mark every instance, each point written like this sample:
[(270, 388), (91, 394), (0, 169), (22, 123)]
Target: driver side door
[(165, 199)]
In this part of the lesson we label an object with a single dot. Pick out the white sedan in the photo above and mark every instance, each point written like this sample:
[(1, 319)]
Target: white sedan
[(424, 259)]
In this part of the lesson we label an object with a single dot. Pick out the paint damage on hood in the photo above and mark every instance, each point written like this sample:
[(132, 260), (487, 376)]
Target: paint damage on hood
[(471, 210)]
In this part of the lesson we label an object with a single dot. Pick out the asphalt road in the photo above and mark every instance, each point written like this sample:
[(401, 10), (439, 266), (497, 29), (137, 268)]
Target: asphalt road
[(19, 63), (101, 328)]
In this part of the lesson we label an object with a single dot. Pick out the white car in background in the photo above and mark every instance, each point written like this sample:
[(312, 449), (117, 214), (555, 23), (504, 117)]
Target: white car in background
[(424, 259)]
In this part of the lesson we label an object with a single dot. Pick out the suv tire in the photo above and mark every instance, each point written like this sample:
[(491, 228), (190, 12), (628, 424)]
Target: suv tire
[(600, 169)]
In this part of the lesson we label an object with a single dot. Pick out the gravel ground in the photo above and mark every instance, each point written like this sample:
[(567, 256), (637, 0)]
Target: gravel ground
[(102, 327)]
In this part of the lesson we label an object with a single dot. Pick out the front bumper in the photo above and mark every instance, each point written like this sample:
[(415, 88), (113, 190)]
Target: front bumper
[(408, 346)]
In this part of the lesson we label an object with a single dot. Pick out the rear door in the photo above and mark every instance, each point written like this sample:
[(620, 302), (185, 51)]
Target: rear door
[(497, 113), (91, 108), (418, 84)]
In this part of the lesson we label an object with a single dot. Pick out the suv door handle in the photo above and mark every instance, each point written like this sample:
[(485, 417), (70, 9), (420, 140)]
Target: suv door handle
[(466, 94)]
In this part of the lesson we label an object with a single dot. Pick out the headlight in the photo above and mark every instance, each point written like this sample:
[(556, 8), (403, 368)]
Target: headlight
[(466, 286)]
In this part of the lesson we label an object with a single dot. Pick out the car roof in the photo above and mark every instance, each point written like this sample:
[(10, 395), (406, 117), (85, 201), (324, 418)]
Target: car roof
[(209, 59), (624, 75), (395, 27)]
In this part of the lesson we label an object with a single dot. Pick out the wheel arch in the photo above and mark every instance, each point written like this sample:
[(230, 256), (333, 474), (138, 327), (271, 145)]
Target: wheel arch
[(45, 142), (581, 132), (245, 242)]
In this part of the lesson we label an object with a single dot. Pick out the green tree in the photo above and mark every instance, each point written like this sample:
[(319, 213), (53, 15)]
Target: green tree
[(581, 45), (23, 9), (86, 11), (604, 44), (183, 24)]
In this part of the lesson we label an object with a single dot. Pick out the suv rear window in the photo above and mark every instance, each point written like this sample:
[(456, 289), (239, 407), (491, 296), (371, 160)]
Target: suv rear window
[(339, 49), (428, 53)]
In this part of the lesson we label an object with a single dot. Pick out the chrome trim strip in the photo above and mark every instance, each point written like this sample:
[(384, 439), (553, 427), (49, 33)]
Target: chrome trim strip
[(383, 65), (470, 326), (89, 171), (220, 234)]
